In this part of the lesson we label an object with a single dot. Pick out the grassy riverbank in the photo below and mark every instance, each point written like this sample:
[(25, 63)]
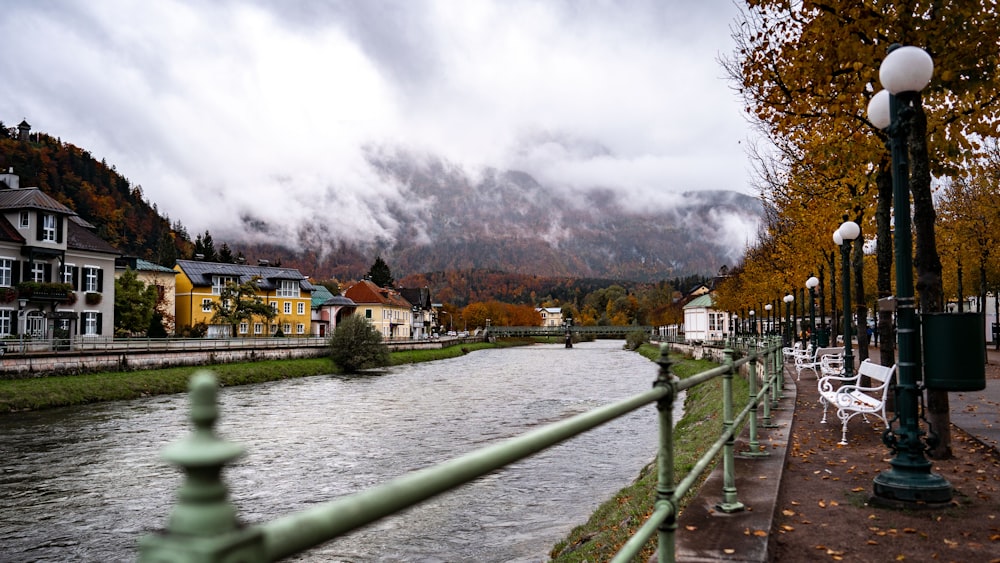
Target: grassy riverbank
[(617, 519), (61, 391)]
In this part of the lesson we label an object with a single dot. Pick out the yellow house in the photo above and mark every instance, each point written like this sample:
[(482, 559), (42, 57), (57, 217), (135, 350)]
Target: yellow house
[(199, 285), (385, 309)]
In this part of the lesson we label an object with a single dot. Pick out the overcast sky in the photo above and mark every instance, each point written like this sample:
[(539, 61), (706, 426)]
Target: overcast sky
[(262, 108)]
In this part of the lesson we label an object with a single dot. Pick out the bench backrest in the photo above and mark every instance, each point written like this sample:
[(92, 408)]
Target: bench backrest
[(874, 371), (830, 350)]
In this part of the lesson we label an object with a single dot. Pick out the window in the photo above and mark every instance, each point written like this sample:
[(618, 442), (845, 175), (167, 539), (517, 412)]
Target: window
[(286, 328), (38, 272), (288, 307), (288, 288), (66, 274), (274, 306), (6, 270), (300, 328), (219, 282), (48, 228), (25, 221), (368, 313), (206, 305), (258, 328), (91, 327), (244, 327), (6, 322), (715, 321), (34, 324), (302, 308), (91, 279)]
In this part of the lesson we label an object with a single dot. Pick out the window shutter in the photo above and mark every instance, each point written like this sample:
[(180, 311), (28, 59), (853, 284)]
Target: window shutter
[(100, 322), (14, 322), (47, 272), (38, 226), (59, 228), (100, 280), (76, 278), (15, 272)]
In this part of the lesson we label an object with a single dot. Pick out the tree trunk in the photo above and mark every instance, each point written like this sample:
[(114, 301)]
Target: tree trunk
[(928, 268)]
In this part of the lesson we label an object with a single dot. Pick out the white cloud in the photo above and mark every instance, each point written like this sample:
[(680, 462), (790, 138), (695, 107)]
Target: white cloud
[(223, 110)]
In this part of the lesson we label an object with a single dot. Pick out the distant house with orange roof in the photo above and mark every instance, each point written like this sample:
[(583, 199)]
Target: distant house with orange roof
[(385, 308)]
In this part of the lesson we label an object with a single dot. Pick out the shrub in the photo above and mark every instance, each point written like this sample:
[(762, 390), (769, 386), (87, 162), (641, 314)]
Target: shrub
[(635, 339), (356, 345)]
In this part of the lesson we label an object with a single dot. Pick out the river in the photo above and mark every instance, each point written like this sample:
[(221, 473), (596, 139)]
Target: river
[(84, 483)]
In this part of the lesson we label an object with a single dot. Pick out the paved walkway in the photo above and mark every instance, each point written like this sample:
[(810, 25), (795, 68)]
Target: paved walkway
[(707, 534)]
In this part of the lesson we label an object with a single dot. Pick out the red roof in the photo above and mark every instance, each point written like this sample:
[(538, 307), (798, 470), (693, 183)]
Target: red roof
[(366, 292)]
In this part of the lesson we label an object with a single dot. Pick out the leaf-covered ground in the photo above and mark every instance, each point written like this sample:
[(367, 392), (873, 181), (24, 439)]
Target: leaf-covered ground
[(823, 511)]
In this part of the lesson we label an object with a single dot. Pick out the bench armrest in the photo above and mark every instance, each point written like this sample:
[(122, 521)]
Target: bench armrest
[(825, 383)]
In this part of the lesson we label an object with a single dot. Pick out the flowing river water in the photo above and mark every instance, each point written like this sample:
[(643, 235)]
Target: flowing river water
[(85, 483)]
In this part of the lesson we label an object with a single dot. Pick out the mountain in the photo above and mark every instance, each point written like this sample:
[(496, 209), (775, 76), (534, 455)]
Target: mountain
[(505, 220), (445, 219)]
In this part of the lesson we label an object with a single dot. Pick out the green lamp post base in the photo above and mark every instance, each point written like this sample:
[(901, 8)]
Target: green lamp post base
[(907, 489)]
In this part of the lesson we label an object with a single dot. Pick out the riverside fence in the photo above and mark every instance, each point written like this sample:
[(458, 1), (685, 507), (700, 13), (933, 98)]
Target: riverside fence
[(203, 525)]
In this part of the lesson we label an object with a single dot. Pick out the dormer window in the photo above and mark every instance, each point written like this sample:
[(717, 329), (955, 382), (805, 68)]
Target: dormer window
[(25, 220), (49, 228)]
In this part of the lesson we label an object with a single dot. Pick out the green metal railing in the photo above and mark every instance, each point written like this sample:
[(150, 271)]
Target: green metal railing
[(203, 526)]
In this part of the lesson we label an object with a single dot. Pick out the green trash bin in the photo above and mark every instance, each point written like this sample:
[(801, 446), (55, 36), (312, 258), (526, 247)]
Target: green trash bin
[(954, 346), (823, 337)]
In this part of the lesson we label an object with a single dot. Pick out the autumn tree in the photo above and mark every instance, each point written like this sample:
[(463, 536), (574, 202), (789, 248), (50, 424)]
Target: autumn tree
[(807, 71)]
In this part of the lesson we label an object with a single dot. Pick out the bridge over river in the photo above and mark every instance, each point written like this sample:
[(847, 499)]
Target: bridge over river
[(619, 332)]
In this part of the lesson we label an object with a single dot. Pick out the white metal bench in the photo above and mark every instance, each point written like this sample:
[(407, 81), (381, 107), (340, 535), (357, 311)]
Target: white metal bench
[(852, 399), (812, 360)]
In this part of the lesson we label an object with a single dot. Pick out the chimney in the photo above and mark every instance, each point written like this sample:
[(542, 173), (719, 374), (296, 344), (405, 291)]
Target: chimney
[(9, 179), (264, 263), (199, 256)]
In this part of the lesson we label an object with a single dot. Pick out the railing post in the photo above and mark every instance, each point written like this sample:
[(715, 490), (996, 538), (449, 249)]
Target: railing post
[(754, 444), (771, 368), (665, 458), (729, 501), (203, 526)]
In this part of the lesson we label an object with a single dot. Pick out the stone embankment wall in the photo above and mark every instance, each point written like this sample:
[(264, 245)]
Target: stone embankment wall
[(38, 364)]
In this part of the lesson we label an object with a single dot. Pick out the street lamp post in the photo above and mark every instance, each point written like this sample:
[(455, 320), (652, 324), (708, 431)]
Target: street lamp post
[(811, 284), (848, 231), (904, 73), (753, 323), (788, 318), (770, 318)]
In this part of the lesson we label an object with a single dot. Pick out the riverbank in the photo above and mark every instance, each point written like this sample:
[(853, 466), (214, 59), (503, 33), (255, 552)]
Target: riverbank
[(38, 393), (616, 520)]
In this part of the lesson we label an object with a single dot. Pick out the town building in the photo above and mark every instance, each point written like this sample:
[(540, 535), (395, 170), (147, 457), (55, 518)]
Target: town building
[(285, 290), (423, 310), (328, 310), (702, 322), (551, 316), (56, 276), (384, 308)]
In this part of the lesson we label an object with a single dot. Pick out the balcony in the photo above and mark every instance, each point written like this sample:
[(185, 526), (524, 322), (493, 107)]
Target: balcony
[(43, 291)]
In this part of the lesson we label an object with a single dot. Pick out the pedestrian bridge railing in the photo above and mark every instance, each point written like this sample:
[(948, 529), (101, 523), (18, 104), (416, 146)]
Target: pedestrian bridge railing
[(203, 525)]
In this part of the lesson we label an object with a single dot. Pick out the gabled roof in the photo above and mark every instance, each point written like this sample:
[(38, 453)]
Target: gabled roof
[(32, 198), (366, 292), (419, 296), (201, 274)]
